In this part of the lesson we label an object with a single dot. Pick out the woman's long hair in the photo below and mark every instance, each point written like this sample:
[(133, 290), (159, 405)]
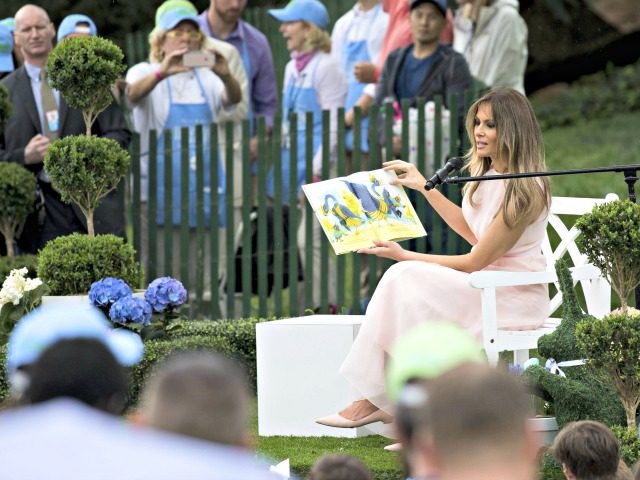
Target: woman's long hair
[(520, 147)]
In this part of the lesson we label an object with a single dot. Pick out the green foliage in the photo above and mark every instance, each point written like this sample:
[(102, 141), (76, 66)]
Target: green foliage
[(5, 107), (17, 197), (241, 335), (583, 394), (29, 261), (4, 383), (157, 350), (600, 95), (83, 70), (610, 237), (561, 344), (70, 264), (85, 169), (629, 444), (612, 346)]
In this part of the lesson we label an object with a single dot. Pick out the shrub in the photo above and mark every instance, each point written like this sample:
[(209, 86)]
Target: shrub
[(85, 169), (30, 262), (83, 69), (610, 237), (629, 444), (5, 107), (241, 335), (17, 197), (612, 346), (70, 264)]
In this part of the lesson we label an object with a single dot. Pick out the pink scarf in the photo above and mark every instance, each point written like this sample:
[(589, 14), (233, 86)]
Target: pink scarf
[(302, 59)]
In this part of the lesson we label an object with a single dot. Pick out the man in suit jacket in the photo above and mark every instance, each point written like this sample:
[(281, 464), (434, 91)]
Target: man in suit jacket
[(24, 139)]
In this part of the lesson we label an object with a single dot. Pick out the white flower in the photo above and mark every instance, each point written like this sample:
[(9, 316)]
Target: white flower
[(32, 284)]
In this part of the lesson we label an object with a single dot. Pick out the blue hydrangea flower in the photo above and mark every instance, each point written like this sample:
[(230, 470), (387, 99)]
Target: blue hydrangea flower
[(165, 293), (107, 291), (131, 310)]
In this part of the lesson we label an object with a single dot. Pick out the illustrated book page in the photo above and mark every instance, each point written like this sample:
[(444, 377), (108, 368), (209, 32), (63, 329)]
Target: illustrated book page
[(363, 207)]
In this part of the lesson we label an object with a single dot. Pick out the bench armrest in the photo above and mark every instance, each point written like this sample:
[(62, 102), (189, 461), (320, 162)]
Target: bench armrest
[(492, 279)]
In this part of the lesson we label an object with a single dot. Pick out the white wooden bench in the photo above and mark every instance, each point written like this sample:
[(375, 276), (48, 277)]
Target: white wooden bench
[(298, 358), (597, 291)]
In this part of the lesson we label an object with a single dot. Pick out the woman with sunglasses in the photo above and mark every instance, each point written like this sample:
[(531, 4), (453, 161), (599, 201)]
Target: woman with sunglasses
[(167, 95)]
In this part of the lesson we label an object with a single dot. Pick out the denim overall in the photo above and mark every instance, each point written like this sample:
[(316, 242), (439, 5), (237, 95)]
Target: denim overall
[(189, 115), (300, 97)]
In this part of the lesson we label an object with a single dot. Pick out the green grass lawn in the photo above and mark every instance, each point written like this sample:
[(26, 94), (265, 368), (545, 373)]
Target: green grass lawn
[(596, 143)]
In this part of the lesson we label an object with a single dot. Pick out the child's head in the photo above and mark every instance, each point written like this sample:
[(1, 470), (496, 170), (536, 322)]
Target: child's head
[(339, 467)]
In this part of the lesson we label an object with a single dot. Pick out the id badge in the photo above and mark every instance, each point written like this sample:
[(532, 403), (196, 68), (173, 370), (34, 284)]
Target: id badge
[(53, 120)]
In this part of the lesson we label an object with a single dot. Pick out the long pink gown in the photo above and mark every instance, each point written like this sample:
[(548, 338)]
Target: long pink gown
[(413, 292)]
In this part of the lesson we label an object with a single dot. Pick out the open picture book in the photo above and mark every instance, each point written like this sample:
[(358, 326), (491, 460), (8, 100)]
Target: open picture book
[(363, 207)]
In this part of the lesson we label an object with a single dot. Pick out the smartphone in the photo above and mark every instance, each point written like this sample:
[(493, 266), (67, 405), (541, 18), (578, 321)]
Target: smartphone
[(198, 58)]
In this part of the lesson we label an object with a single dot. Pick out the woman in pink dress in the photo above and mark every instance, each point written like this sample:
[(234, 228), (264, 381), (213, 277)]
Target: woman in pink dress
[(505, 222)]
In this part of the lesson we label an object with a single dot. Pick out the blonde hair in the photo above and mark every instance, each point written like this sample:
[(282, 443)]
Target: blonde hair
[(156, 40), (520, 147), (316, 39)]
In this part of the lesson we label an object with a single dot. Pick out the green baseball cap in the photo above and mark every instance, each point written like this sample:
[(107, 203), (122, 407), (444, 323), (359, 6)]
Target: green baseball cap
[(428, 351)]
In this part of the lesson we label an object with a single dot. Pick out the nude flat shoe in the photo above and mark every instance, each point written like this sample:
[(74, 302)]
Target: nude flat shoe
[(338, 421), (394, 447)]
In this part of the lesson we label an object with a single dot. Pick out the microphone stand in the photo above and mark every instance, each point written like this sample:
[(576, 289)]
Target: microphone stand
[(630, 173)]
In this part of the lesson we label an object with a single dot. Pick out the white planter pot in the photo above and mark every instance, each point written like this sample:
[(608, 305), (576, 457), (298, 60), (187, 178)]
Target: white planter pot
[(547, 428), (54, 299)]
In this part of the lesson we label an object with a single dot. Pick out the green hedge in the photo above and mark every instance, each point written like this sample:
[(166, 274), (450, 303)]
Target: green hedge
[(601, 95), (235, 338)]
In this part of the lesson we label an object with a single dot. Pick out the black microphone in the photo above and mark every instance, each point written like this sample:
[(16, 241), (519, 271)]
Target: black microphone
[(454, 163)]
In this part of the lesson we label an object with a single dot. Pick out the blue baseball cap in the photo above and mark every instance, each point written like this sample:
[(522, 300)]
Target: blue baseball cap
[(6, 50), (311, 11), (9, 22), (68, 319), (70, 24), (441, 5), (172, 12)]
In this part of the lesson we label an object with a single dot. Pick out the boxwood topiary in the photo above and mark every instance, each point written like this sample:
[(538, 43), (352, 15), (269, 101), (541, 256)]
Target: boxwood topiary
[(610, 237), (17, 197), (85, 169), (70, 264)]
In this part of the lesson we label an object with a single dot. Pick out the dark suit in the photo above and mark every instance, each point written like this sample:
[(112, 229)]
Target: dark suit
[(60, 218)]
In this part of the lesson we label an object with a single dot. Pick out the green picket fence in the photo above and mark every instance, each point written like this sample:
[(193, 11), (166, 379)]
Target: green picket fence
[(264, 273)]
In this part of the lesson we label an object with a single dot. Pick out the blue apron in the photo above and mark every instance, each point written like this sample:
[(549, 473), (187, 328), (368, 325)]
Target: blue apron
[(300, 100), (353, 53), (189, 115)]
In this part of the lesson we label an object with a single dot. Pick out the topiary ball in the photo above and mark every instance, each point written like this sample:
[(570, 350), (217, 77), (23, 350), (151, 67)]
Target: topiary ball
[(70, 264)]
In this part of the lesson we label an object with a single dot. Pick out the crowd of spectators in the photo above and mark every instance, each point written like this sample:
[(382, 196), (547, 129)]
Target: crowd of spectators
[(378, 52)]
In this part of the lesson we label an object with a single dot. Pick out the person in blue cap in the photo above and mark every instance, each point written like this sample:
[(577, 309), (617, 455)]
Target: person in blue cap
[(167, 95), (76, 25), (313, 82)]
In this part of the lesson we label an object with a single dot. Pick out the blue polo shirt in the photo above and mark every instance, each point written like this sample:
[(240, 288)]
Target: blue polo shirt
[(412, 73)]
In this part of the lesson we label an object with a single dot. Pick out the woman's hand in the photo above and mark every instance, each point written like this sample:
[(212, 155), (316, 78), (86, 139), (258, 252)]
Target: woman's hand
[(408, 174), (391, 250), (172, 63), (221, 67), (365, 72)]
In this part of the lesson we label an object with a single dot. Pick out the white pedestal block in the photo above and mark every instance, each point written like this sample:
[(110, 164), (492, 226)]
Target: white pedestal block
[(298, 380)]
